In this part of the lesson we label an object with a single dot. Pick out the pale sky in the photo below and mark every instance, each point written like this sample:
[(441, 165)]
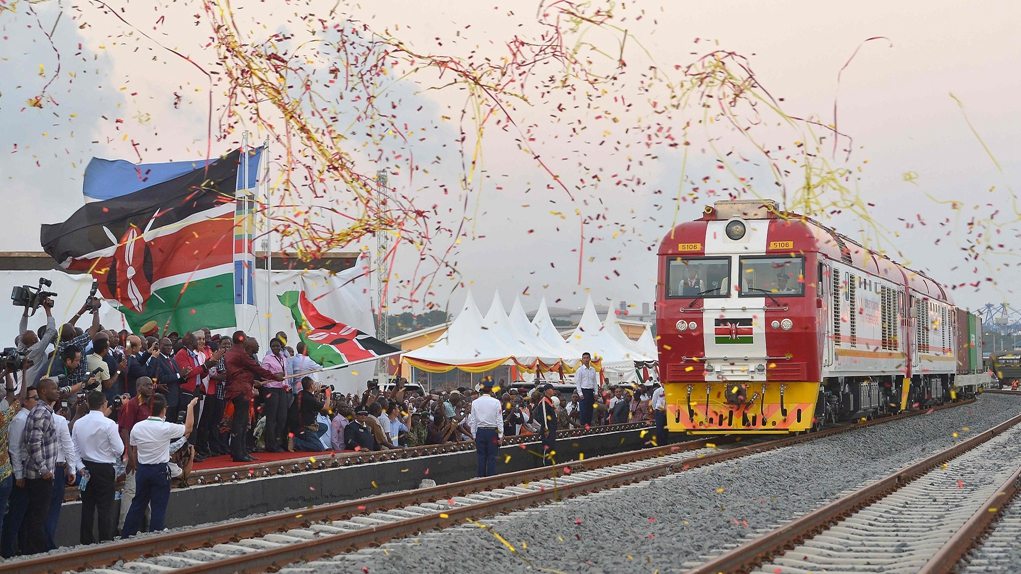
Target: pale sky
[(120, 95)]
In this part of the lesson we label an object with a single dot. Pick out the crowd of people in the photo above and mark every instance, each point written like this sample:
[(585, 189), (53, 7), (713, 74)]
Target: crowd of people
[(123, 415)]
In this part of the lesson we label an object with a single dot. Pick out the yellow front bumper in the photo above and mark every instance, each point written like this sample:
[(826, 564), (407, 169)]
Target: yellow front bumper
[(700, 408)]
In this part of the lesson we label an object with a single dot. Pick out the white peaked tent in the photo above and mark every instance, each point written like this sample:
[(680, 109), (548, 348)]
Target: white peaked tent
[(465, 343), (647, 343), (522, 330), (591, 336), (612, 328), (497, 325), (550, 337)]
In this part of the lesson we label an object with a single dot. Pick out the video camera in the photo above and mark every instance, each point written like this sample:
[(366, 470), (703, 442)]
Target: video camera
[(93, 301), (32, 297), (11, 359)]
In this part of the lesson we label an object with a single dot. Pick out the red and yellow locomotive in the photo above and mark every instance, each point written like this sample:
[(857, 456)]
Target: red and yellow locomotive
[(769, 322)]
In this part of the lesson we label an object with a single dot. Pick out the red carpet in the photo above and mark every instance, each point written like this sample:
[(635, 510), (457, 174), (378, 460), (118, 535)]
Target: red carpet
[(224, 461)]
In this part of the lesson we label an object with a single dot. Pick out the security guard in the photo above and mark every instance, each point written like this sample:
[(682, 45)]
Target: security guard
[(486, 422), (659, 412), (545, 414)]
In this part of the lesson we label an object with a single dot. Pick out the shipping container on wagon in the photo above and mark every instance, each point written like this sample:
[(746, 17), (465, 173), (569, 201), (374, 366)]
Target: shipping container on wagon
[(963, 327), (976, 337)]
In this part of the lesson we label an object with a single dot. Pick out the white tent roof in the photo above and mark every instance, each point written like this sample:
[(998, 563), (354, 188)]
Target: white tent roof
[(647, 343), (593, 337), (550, 337), (497, 325), (521, 329), (612, 328), (465, 341)]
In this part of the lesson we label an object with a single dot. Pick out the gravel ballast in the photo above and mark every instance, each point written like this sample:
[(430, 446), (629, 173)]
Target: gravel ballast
[(1000, 550), (666, 523)]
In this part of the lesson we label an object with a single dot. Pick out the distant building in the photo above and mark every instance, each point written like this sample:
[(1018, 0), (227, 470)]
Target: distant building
[(632, 319)]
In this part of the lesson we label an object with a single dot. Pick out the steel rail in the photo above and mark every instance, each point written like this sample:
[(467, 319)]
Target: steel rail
[(305, 463), (749, 555), (276, 558), (971, 533), (95, 556)]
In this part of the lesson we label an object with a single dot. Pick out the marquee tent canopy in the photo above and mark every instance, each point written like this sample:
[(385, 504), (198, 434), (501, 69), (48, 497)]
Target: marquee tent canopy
[(522, 330), (647, 343), (592, 336), (549, 335), (466, 345), (612, 328), (477, 343)]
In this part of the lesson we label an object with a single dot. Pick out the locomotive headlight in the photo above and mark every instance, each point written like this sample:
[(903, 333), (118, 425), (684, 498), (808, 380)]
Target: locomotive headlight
[(692, 326), (682, 325), (775, 324), (786, 324), (735, 229)]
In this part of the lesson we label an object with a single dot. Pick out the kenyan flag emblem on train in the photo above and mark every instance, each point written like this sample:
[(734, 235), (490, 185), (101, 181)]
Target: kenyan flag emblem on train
[(733, 331)]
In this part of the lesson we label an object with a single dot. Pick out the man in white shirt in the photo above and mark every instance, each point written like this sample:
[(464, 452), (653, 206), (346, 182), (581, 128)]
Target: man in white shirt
[(100, 447), (659, 413), (150, 449), (384, 420), (586, 381), (67, 467), (17, 504), (486, 422), (302, 366)]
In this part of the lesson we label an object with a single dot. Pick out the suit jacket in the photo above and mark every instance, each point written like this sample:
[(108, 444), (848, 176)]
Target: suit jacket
[(242, 371)]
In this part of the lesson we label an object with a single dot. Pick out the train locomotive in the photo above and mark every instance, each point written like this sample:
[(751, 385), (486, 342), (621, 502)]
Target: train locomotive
[(769, 322)]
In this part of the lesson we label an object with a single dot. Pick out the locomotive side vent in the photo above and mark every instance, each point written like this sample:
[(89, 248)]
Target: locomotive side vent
[(836, 306), (884, 304), (852, 308), (889, 319)]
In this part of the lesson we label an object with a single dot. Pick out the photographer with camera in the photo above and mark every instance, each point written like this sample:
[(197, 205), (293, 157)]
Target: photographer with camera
[(68, 339), (302, 423), (71, 359), (35, 345)]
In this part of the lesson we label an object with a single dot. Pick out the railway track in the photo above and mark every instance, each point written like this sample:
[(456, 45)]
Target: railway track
[(303, 462), (923, 518), (272, 541), (997, 550)]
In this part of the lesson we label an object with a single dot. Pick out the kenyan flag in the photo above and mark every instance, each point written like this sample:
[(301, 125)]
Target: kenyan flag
[(331, 343), (733, 332), (164, 253)]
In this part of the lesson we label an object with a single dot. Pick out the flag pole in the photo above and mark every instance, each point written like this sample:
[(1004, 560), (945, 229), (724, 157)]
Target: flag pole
[(240, 311), (269, 241), (335, 367)]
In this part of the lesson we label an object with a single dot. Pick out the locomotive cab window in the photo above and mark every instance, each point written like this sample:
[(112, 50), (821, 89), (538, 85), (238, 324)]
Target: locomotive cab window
[(775, 276), (698, 277)]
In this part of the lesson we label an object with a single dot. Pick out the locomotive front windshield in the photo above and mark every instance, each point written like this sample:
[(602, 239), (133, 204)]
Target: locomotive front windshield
[(776, 276), (699, 277)]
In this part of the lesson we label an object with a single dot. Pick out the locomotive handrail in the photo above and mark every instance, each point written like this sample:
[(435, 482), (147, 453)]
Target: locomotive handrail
[(743, 358), (700, 309)]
